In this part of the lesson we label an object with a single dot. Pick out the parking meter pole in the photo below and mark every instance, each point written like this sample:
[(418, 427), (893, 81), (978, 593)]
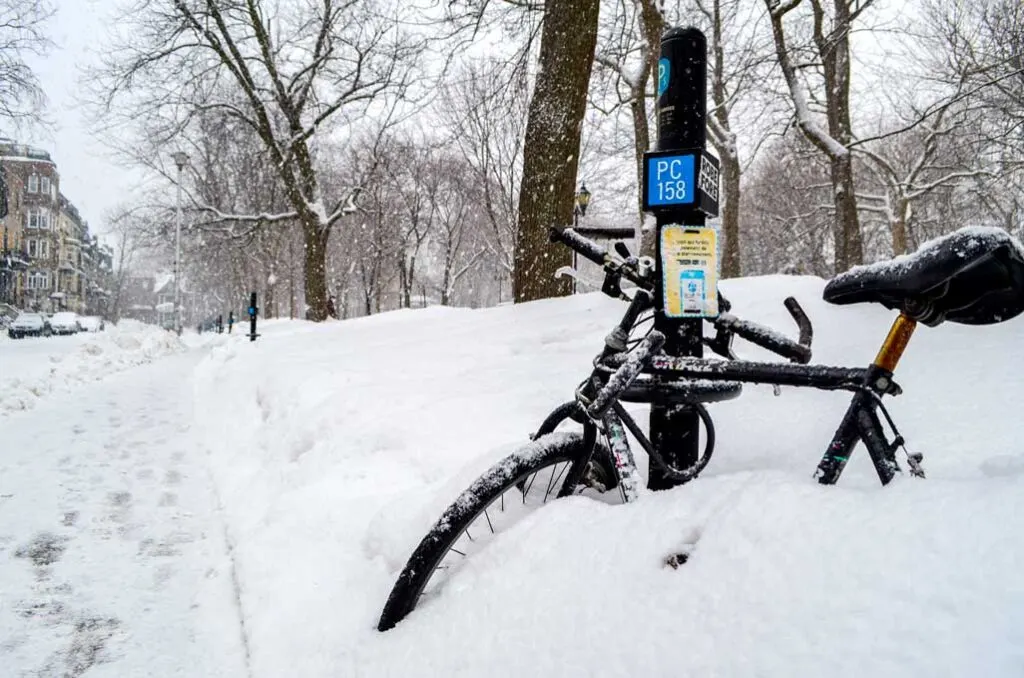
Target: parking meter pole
[(253, 312), (672, 176)]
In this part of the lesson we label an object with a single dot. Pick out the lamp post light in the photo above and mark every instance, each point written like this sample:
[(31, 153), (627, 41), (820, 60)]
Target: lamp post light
[(180, 159), (579, 210), (582, 200)]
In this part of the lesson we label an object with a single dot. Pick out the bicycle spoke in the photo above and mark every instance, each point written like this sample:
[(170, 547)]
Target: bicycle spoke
[(527, 486), (466, 544), (554, 482), (550, 481)]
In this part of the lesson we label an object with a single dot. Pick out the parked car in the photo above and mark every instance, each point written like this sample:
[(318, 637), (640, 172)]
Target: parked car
[(65, 322), (7, 315), (30, 325), (91, 323)]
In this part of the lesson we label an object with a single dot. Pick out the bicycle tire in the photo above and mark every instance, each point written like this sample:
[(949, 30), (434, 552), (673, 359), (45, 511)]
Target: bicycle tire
[(514, 472)]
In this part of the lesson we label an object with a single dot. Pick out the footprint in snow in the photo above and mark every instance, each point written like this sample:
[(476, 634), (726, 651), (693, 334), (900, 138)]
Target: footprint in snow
[(43, 550)]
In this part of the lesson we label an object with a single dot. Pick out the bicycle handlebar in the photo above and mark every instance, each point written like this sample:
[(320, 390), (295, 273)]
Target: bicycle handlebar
[(585, 246), (597, 254), (770, 339), (799, 352)]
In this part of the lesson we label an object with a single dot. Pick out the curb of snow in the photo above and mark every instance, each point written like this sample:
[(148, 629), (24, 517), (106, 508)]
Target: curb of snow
[(120, 347)]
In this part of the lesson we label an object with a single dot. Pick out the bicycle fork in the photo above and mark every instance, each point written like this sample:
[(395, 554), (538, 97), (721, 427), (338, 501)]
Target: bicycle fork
[(861, 420)]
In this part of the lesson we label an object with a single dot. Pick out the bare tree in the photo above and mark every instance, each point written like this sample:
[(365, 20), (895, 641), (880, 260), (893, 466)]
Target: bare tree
[(484, 108), (911, 168), (628, 48), (787, 210), (286, 72), (22, 25), (830, 60), (126, 225), (459, 217), (740, 63)]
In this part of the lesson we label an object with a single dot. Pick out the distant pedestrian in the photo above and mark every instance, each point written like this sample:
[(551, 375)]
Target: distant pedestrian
[(231, 320)]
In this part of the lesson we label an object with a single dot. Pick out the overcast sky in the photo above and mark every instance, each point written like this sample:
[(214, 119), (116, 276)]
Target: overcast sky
[(88, 176)]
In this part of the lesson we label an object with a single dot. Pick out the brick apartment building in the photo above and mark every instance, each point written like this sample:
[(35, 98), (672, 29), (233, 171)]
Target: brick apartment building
[(48, 261)]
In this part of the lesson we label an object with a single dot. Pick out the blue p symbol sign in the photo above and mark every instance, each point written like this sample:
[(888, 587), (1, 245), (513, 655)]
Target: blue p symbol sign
[(663, 70)]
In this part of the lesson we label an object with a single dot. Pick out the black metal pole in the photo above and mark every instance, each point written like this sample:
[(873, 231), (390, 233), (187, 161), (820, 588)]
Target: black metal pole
[(253, 312), (681, 111)]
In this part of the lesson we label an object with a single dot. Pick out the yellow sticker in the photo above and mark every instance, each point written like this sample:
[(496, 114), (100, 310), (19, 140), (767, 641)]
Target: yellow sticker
[(688, 271)]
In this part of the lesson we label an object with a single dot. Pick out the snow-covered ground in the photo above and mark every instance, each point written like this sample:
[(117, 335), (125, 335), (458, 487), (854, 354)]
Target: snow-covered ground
[(112, 557), (330, 449), (33, 367)]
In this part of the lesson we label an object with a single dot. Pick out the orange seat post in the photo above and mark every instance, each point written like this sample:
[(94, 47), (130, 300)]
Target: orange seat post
[(892, 349)]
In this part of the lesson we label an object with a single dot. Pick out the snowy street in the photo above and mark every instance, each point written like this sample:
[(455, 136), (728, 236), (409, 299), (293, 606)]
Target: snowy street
[(112, 560)]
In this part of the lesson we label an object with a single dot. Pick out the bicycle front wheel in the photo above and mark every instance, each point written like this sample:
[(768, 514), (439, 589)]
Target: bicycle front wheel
[(512, 488)]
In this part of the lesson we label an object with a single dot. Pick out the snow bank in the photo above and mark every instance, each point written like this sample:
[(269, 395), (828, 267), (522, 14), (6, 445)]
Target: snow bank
[(31, 368), (335, 446)]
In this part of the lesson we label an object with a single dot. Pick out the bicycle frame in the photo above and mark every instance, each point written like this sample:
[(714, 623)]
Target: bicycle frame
[(860, 422)]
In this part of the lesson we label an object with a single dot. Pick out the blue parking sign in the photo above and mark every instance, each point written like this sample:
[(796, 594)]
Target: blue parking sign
[(670, 180)]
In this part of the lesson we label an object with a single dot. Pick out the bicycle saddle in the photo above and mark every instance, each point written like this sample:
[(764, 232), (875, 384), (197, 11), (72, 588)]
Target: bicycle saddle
[(973, 276)]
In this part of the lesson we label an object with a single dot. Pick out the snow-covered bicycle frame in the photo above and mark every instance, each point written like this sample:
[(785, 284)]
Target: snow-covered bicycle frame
[(973, 276)]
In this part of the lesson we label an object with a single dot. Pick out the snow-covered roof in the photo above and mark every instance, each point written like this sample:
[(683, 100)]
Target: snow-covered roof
[(161, 280)]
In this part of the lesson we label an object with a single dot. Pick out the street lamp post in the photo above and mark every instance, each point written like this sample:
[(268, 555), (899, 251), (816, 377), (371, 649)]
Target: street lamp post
[(180, 159), (579, 210)]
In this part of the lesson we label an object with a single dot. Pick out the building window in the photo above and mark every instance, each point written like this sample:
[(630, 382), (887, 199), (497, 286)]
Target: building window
[(33, 183), (39, 249), (38, 218), (44, 185), (39, 280)]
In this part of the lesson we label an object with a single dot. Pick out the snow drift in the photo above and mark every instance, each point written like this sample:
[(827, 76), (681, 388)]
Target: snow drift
[(335, 447), (31, 368)]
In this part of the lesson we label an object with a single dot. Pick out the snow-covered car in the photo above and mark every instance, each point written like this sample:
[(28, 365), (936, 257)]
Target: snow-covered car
[(65, 322), (91, 323), (29, 325), (7, 315)]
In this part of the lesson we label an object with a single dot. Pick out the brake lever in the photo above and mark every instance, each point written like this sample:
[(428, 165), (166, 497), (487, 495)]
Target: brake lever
[(612, 285), (721, 344)]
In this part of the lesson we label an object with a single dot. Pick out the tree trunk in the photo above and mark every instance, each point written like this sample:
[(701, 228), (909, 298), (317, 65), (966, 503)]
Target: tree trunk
[(641, 141), (834, 48), (652, 25), (731, 266), (728, 153), (316, 268), (552, 145), (848, 243), (898, 227)]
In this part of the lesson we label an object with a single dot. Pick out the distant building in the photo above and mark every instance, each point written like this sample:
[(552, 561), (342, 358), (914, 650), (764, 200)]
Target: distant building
[(30, 236), (48, 260)]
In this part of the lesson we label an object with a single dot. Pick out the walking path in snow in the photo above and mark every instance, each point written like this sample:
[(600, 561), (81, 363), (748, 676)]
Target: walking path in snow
[(112, 557)]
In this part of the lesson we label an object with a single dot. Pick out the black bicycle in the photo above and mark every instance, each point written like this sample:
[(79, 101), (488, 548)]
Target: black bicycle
[(973, 276)]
